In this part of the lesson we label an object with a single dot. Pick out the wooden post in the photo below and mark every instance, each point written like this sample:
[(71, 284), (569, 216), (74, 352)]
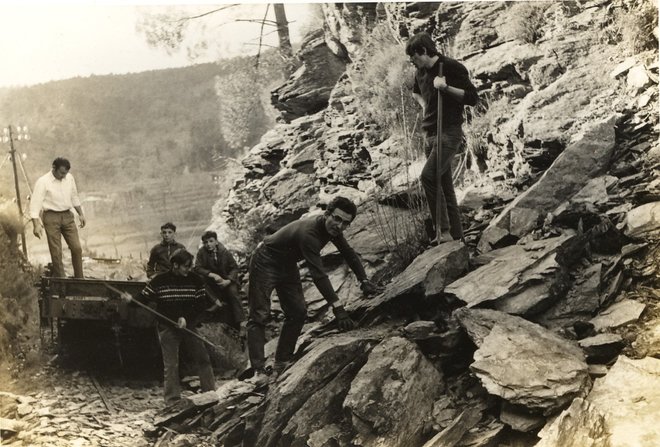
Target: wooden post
[(438, 164)]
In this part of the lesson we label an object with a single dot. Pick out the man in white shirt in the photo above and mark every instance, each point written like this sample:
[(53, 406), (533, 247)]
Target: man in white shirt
[(55, 193)]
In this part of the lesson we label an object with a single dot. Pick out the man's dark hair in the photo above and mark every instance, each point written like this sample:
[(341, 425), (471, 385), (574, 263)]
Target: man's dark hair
[(181, 257), (209, 235), (61, 162), (419, 43), (344, 204), (169, 225)]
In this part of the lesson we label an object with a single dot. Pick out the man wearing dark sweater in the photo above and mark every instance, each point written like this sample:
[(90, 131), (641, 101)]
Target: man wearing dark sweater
[(274, 266), (456, 89), (180, 296)]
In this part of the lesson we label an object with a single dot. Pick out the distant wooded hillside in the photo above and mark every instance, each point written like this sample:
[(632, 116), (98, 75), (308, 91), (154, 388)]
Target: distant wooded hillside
[(119, 129)]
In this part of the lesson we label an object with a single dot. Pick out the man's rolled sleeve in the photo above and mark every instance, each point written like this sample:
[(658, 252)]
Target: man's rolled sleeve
[(37, 199), (75, 199)]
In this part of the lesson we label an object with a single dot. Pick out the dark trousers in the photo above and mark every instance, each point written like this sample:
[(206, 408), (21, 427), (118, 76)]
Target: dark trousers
[(170, 340), (228, 296), (450, 214), (267, 274), (58, 224)]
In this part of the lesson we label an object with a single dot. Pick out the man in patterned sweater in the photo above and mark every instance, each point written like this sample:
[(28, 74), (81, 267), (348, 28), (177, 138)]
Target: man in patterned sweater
[(180, 296)]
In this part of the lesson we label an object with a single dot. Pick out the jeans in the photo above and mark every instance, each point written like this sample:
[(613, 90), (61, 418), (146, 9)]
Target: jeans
[(266, 274), (170, 339), (450, 214), (58, 224)]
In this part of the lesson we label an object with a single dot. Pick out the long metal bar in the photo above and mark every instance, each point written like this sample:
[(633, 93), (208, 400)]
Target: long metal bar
[(159, 315), (438, 164)]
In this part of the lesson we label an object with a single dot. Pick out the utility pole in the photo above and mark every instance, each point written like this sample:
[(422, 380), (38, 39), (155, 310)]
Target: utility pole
[(9, 136)]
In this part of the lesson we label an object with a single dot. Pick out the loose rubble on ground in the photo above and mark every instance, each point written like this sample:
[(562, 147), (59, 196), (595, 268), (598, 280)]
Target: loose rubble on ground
[(543, 329)]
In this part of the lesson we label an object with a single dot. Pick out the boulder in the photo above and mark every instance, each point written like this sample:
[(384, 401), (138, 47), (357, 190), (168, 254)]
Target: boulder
[(584, 159), (618, 314), (579, 304), (322, 409), (580, 425), (392, 395), (429, 273), (291, 192), (304, 157), (478, 26), (585, 204), (512, 348), (637, 78), (345, 25), (629, 398), (520, 279), (643, 220), (308, 89), (509, 61), (324, 361)]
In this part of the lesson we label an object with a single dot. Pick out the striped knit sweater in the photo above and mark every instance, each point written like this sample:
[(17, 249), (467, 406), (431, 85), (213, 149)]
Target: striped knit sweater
[(177, 296)]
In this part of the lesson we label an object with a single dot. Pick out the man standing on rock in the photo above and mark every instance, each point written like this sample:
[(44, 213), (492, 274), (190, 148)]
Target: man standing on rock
[(457, 91), (180, 296), (274, 266), (217, 265), (55, 193)]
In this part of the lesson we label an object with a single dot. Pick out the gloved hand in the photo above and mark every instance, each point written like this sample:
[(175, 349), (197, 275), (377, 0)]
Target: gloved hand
[(344, 322), (126, 297), (181, 323), (369, 288)]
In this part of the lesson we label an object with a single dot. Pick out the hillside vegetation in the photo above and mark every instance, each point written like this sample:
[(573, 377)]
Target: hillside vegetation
[(119, 128)]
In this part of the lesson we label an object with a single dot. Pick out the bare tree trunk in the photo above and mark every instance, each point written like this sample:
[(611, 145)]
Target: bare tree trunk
[(286, 51)]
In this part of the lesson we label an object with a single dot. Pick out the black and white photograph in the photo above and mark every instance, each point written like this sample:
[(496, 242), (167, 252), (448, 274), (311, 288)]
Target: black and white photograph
[(362, 224)]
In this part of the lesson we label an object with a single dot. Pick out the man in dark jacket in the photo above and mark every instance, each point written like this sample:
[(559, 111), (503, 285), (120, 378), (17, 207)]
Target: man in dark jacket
[(180, 296), (274, 266), (218, 267), (457, 91), (159, 257)]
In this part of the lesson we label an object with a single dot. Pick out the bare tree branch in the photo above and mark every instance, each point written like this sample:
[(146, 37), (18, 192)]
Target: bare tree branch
[(261, 37), (204, 14)]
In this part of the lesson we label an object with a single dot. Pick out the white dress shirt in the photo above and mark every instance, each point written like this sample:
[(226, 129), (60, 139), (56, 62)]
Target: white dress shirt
[(53, 194)]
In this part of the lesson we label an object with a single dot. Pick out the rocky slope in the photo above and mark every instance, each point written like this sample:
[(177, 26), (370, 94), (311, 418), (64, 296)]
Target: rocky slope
[(543, 328), (558, 276)]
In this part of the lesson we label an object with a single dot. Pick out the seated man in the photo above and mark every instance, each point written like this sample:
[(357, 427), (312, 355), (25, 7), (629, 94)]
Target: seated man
[(214, 263)]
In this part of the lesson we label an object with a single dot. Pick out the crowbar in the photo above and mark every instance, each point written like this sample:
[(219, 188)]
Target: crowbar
[(438, 164), (159, 315)]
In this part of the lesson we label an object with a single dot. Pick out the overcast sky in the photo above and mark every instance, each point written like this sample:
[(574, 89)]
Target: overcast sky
[(40, 42)]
